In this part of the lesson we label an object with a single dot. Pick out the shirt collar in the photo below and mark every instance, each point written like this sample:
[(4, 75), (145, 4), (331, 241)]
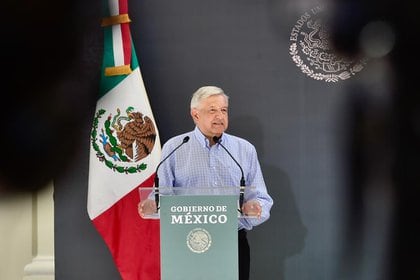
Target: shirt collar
[(204, 142)]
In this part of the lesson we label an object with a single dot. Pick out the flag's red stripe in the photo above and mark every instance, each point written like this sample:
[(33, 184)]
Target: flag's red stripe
[(123, 6), (125, 32), (134, 242)]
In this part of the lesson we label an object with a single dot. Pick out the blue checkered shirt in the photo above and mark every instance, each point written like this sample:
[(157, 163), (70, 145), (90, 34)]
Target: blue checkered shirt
[(195, 163)]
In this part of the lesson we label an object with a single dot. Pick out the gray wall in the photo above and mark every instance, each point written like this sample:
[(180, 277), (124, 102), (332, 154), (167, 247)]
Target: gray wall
[(298, 125)]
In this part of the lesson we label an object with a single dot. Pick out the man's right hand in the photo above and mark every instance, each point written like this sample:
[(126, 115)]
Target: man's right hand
[(146, 207)]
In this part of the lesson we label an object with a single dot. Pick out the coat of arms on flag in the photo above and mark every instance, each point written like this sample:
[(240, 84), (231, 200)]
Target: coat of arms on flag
[(123, 139)]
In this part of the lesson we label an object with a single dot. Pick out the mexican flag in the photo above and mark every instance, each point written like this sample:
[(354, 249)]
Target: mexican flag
[(125, 150)]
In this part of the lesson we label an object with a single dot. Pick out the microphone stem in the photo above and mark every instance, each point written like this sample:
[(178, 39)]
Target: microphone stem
[(157, 191), (185, 140), (241, 194), (242, 183)]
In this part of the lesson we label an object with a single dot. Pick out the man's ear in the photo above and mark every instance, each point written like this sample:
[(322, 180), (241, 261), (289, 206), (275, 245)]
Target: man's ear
[(194, 114)]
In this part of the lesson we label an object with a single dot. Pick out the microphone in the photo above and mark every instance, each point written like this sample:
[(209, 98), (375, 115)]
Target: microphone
[(242, 183), (185, 140)]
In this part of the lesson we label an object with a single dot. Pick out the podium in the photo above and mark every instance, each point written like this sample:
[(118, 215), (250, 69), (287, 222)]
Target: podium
[(198, 232)]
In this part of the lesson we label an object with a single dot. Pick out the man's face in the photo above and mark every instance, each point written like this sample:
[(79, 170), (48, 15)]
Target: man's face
[(211, 116)]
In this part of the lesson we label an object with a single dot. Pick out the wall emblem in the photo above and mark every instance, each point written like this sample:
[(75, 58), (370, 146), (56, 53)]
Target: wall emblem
[(198, 240), (311, 50), (123, 140)]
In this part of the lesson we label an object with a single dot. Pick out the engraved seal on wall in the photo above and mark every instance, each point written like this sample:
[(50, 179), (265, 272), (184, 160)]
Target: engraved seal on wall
[(312, 52)]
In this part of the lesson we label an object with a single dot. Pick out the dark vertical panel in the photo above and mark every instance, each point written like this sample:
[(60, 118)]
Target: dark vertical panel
[(295, 122)]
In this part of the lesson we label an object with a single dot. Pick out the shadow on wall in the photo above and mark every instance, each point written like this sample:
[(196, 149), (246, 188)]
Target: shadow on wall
[(385, 141), (283, 235), (50, 89)]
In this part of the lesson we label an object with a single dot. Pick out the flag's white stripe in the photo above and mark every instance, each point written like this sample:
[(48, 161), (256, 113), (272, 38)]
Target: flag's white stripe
[(106, 186), (117, 45), (114, 7), (117, 42)]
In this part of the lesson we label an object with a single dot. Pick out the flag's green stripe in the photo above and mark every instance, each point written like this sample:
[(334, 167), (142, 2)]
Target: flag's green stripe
[(109, 82)]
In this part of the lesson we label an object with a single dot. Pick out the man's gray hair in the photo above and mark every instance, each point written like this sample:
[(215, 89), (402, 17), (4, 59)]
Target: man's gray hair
[(205, 92)]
